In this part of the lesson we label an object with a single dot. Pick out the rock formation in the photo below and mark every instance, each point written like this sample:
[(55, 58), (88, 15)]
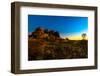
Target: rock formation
[(41, 33)]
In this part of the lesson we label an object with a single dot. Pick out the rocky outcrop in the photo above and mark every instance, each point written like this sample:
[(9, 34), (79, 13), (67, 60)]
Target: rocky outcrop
[(41, 33)]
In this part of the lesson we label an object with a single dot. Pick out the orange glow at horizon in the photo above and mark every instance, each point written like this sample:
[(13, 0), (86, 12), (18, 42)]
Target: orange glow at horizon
[(76, 38)]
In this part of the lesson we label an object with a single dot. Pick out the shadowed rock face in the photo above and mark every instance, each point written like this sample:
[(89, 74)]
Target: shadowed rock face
[(44, 44)]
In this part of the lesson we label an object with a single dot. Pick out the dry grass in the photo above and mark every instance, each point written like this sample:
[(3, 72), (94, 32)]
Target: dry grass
[(42, 49)]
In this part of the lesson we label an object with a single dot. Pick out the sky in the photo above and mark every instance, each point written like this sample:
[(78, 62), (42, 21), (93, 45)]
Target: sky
[(68, 26)]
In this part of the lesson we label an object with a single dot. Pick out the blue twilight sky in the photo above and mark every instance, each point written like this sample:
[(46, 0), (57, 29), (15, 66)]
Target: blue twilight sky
[(65, 25)]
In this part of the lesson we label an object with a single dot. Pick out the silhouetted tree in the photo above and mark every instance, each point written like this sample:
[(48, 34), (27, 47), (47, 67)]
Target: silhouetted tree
[(67, 38), (84, 36)]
